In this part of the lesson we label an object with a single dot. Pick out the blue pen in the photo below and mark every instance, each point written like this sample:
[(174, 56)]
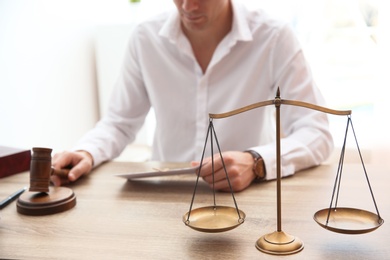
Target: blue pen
[(11, 198)]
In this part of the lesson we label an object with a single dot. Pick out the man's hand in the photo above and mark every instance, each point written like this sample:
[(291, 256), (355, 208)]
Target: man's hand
[(79, 163), (239, 166)]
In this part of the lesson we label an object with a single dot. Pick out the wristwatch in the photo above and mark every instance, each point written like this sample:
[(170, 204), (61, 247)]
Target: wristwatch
[(258, 165)]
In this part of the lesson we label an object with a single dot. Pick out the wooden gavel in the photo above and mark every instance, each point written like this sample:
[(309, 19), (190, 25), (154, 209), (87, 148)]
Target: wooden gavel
[(41, 170), (41, 199)]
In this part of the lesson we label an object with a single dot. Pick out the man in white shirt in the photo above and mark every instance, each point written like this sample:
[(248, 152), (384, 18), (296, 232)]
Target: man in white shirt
[(211, 57)]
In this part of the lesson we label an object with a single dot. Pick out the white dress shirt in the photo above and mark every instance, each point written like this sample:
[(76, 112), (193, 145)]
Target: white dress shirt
[(259, 55)]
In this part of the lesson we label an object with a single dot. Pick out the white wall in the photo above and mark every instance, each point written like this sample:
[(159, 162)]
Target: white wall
[(48, 80)]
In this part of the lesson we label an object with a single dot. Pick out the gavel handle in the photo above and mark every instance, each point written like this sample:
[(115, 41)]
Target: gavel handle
[(63, 173)]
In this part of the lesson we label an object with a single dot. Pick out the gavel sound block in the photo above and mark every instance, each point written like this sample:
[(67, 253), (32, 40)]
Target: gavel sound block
[(41, 199)]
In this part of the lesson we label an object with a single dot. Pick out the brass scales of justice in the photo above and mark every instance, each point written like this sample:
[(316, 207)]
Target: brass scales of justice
[(342, 220)]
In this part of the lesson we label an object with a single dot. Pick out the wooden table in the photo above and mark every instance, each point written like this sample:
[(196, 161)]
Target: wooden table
[(119, 219)]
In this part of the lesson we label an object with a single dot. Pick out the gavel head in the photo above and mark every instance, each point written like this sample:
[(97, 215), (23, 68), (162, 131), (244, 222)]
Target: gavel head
[(40, 169)]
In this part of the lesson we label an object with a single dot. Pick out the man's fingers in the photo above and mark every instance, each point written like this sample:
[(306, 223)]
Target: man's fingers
[(83, 167), (75, 173), (62, 160), (69, 166), (209, 167), (218, 176)]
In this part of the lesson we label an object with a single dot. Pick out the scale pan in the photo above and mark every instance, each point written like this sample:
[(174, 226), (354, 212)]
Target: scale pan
[(214, 219), (348, 220)]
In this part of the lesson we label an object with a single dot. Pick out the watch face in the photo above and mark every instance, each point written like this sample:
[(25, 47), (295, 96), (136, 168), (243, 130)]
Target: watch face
[(259, 168)]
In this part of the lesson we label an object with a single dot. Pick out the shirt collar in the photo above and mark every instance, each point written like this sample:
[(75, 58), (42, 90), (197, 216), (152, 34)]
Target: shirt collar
[(240, 27), (171, 28)]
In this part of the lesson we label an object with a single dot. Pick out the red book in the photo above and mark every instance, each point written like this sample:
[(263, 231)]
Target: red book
[(13, 160)]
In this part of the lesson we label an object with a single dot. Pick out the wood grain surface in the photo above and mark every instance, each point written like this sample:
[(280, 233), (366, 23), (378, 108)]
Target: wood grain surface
[(142, 219)]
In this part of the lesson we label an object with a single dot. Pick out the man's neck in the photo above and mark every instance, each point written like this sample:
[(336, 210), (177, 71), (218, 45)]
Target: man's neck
[(204, 42)]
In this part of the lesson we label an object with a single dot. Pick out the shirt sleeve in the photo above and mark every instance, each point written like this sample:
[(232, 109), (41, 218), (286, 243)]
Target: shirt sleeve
[(305, 137), (128, 107)]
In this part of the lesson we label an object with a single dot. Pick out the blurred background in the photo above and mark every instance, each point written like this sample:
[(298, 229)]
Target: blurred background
[(60, 59)]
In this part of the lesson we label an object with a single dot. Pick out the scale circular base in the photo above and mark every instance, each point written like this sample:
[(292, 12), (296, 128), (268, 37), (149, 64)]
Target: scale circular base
[(57, 200), (214, 219), (348, 220), (279, 243)]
